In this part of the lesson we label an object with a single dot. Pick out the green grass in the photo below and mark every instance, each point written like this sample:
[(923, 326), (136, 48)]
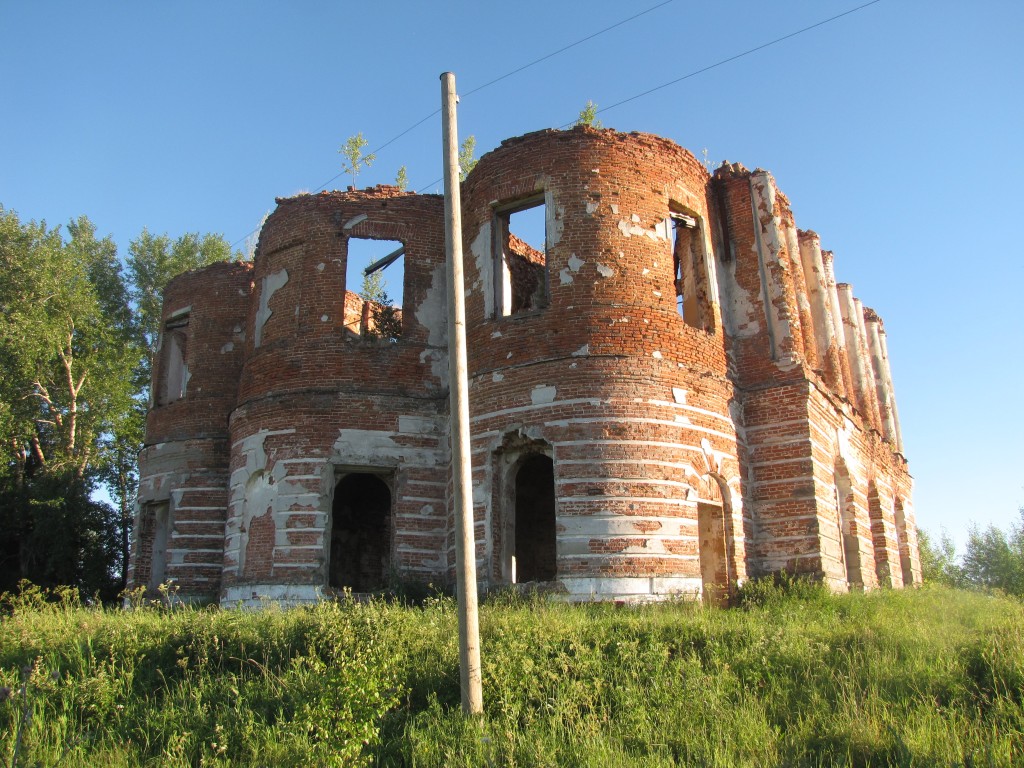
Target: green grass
[(909, 678)]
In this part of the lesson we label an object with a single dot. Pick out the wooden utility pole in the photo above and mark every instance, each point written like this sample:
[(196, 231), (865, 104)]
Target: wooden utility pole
[(462, 474)]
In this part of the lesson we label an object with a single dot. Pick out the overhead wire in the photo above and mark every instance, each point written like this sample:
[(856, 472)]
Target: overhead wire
[(640, 95), (702, 70), (479, 88), (729, 59)]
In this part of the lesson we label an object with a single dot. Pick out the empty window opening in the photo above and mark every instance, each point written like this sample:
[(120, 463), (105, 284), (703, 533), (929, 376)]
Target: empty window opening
[(534, 558), (714, 574), (160, 520), (174, 359), (690, 271), (521, 268), (374, 288), (904, 542), (360, 533)]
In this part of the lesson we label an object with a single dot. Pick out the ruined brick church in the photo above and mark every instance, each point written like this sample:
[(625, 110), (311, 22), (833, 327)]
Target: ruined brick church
[(669, 394)]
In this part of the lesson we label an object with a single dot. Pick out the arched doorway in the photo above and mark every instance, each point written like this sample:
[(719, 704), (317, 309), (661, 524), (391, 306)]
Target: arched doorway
[(360, 533), (711, 546), (714, 509), (534, 555)]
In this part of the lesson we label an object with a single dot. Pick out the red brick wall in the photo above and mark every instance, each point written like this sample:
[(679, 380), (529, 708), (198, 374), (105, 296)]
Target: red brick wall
[(647, 419)]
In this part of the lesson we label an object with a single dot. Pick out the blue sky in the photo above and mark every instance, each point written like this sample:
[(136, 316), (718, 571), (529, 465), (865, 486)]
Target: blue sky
[(895, 132)]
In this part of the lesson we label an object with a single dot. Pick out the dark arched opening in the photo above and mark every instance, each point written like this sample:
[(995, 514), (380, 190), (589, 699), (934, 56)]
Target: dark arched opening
[(535, 547), (360, 533)]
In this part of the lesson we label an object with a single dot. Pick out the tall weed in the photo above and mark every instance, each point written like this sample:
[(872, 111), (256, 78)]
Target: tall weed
[(796, 677)]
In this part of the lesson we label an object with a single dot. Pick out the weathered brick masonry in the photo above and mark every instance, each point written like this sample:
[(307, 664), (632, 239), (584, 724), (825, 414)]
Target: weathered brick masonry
[(673, 394)]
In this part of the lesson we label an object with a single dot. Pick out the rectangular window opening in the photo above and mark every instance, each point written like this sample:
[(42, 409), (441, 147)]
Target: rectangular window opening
[(174, 373), (690, 271), (374, 288), (521, 262)]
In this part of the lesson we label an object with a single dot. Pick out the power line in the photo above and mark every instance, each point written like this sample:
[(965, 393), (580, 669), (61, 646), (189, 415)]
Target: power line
[(611, 106), (731, 58), (515, 71), (566, 48)]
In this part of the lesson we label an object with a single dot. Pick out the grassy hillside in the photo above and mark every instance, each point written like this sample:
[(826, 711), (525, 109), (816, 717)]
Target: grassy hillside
[(923, 677)]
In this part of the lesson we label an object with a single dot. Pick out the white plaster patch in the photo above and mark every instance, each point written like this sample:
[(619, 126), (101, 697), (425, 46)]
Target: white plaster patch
[(432, 314), (615, 209), (583, 351), (656, 355), (741, 315), (605, 271), (355, 220), (481, 250), (635, 218), (542, 394), (629, 228), (497, 377), (591, 207), (417, 425), (496, 335), (262, 596), (320, 267), (679, 395), (438, 361), (324, 318), (573, 266), (374, 448), (554, 219), (271, 284), (227, 347), (508, 356)]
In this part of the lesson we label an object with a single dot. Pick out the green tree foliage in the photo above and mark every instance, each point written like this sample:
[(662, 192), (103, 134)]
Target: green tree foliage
[(467, 161), (69, 344), (154, 259), (402, 179), (352, 149), (995, 559), (938, 559), (77, 336), (588, 116)]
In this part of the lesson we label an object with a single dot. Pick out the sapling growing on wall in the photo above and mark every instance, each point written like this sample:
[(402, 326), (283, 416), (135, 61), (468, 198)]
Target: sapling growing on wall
[(588, 116), (467, 162), (352, 149)]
